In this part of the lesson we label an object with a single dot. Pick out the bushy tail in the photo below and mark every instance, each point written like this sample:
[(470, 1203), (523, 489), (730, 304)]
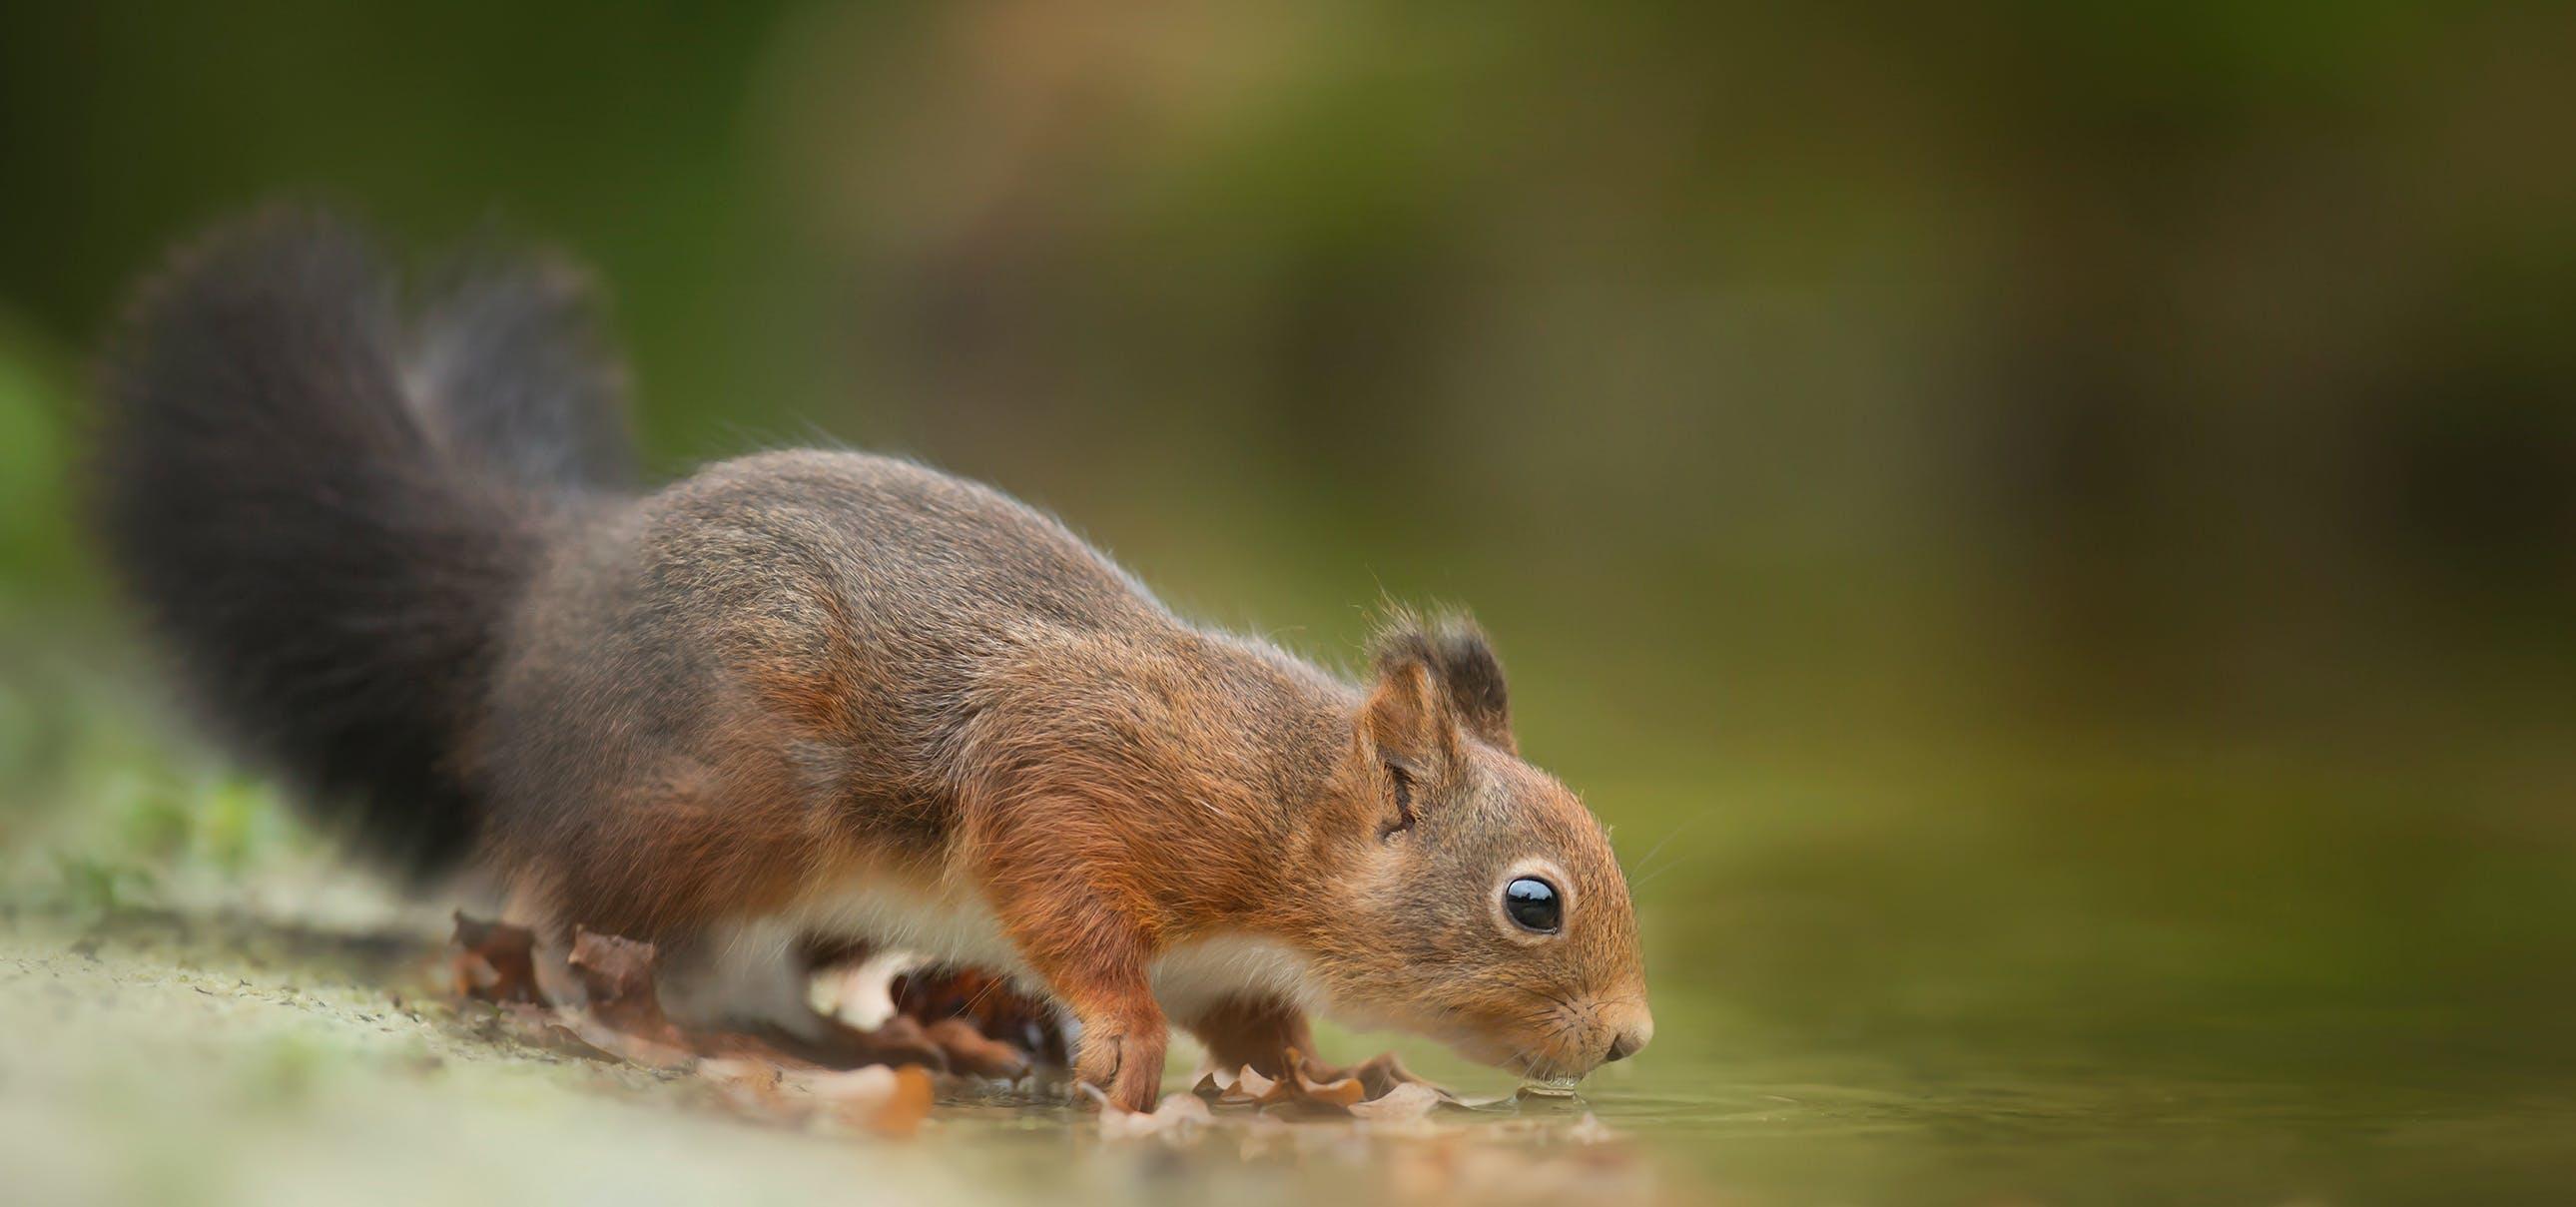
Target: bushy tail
[(327, 509)]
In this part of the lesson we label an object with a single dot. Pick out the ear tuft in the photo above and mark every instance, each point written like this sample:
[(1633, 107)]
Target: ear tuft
[(1474, 677), (1460, 667)]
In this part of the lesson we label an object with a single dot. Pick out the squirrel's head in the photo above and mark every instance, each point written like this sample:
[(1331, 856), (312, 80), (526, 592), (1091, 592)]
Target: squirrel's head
[(1475, 899)]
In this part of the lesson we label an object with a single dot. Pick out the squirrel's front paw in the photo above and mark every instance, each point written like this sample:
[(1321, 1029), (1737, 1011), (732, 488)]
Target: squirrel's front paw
[(1126, 1067)]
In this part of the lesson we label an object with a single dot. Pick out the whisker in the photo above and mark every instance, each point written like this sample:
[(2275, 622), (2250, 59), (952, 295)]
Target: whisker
[(1645, 870)]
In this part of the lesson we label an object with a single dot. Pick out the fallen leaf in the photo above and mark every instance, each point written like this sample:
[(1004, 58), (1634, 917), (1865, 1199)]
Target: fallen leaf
[(1382, 1073), (1380, 1089), (1328, 1090), (1405, 1101), (493, 961), (617, 974), (1251, 1084)]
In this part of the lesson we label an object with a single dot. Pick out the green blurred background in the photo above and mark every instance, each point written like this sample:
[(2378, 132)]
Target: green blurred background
[(2048, 529)]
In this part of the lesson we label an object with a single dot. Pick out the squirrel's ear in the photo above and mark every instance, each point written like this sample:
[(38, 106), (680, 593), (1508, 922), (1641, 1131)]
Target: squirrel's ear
[(1405, 717), (1474, 679)]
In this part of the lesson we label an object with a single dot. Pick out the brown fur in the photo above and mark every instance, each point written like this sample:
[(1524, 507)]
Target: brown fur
[(803, 670), (804, 666)]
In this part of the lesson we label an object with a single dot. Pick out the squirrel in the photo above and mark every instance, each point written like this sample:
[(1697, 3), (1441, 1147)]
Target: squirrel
[(394, 540)]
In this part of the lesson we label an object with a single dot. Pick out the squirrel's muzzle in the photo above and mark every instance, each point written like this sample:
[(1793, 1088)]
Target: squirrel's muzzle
[(1631, 1029)]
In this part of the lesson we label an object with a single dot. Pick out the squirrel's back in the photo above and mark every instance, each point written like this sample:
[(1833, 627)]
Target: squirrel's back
[(824, 624), (327, 500), (920, 550)]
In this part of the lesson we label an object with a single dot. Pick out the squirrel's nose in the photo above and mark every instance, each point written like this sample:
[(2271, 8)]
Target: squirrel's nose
[(1631, 1037)]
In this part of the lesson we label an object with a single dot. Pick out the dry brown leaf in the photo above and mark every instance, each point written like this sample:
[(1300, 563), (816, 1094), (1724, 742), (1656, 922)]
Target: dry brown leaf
[(1405, 1101), (493, 961), (1243, 1088), (1382, 1073), (617, 974), (621, 1014), (1328, 1090), (1381, 1089), (1251, 1086)]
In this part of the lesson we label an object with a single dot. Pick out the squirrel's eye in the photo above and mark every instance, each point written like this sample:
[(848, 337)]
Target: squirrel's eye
[(1534, 905)]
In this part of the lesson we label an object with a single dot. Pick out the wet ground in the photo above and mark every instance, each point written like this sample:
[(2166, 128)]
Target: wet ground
[(163, 1057)]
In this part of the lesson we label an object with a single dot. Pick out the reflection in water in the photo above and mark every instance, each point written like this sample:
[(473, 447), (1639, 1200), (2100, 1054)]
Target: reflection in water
[(1993, 1122), (1533, 1149), (2254, 1107)]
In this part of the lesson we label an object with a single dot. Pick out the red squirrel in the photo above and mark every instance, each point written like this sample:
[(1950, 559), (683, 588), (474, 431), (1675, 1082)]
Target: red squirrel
[(815, 696)]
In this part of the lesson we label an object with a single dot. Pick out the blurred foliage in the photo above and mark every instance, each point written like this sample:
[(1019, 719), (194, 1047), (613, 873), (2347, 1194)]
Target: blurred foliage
[(2021, 504)]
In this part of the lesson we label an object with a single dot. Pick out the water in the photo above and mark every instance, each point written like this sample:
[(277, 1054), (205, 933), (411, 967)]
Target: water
[(2259, 1111)]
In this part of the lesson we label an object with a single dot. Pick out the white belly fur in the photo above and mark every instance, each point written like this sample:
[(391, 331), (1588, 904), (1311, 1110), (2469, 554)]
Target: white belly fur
[(951, 924)]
